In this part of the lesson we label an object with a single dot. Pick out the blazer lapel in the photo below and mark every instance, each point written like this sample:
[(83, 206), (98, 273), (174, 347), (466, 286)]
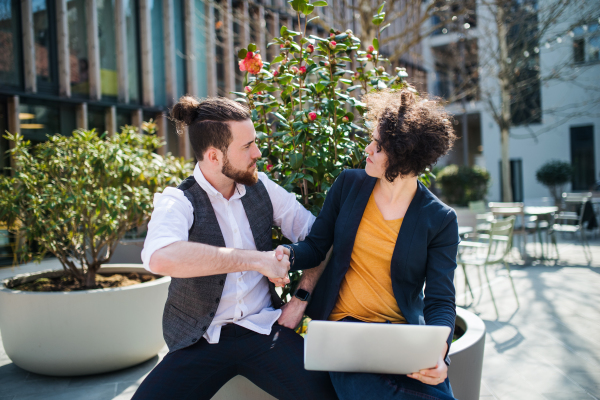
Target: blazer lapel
[(355, 216), (407, 229)]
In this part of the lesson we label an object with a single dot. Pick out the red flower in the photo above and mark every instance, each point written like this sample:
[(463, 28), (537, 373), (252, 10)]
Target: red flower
[(310, 48), (275, 73), (332, 35), (369, 56), (252, 63), (302, 70), (294, 70), (312, 115), (281, 46), (247, 89), (345, 119), (370, 49), (269, 167), (332, 45)]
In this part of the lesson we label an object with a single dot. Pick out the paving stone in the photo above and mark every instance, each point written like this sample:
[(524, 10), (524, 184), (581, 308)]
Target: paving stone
[(126, 390), (100, 392), (126, 375)]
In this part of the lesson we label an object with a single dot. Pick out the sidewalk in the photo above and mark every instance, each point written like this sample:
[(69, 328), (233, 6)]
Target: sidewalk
[(547, 349)]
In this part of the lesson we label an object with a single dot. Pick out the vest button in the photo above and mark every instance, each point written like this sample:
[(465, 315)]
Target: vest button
[(221, 282), (217, 300), (194, 339), (212, 314)]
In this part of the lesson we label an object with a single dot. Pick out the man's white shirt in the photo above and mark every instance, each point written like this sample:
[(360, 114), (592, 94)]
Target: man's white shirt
[(245, 300)]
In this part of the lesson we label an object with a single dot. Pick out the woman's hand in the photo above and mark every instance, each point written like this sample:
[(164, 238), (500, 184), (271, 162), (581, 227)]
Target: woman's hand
[(435, 375)]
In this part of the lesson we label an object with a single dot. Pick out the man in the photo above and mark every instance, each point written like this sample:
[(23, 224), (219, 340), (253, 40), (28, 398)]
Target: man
[(220, 316)]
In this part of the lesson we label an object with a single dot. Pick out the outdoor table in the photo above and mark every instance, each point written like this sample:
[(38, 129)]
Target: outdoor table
[(463, 230), (541, 213)]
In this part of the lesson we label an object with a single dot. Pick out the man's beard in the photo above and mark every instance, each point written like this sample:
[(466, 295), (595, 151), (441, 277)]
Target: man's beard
[(246, 177)]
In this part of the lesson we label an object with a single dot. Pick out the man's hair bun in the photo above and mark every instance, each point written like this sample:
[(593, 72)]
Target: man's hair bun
[(186, 110)]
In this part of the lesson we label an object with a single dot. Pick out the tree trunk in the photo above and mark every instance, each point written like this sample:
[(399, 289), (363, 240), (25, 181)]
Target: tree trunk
[(505, 116), (90, 278)]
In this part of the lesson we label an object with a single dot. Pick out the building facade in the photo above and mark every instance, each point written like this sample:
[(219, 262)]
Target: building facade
[(559, 117)]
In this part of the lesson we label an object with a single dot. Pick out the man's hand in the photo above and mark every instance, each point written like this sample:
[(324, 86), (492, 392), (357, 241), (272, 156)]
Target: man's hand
[(292, 313), (274, 267), (433, 376), (280, 253)]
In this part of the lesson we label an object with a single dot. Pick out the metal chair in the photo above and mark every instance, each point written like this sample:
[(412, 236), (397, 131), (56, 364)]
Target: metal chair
[(483, 216), (506, 209), (490, 249), (572, 222)]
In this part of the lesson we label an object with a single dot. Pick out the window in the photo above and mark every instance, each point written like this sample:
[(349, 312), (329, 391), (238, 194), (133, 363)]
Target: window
[(108, 52), (38, 121), (158, 52), (10, 43), (44, 36), (97, 119), (78, 57), (582, 157), (133, 52), (201, 49), (586, 43), (123, 118), (180, 67)]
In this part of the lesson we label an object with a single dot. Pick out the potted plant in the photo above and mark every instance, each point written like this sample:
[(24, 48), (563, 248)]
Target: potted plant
[(460, 185), (554, 175), (75, 197)]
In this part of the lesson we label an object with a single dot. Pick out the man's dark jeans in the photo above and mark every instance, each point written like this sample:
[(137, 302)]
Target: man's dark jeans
[(359, 386), (274, 362)]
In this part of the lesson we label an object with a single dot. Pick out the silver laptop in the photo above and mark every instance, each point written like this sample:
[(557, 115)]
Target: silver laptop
[(376, 348)]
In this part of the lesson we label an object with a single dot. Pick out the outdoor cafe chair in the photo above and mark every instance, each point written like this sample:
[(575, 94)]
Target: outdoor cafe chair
[(489, 249), (573, 223), (507, 209), (483, 216)]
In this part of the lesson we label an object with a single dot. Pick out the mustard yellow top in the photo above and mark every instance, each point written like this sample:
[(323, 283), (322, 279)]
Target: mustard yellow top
[(366, 292)]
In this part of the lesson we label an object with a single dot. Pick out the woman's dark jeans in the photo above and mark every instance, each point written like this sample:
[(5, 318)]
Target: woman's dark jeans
[(362, 386)]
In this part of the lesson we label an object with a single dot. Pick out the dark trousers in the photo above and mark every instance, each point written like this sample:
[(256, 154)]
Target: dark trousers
[(274, 362)]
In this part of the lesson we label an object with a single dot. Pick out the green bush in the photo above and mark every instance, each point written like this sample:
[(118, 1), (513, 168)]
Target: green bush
[(554, 175), (460, 185), (76, 196)]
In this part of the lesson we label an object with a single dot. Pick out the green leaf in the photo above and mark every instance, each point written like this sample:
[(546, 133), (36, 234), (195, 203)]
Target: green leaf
[(242, 53), (308, 9), (376, 44), (309, 178), (319, 87), (319, 3), (350, 116), (311, 161), (383, 28), (378, 20), (380, 8), (283, 31), (346, 81), (252, 47), (313, 18), (295, 160), (297, 4), (277, 59)]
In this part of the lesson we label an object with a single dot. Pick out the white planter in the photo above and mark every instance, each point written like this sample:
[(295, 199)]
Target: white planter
[(466, 356), (83, 332)]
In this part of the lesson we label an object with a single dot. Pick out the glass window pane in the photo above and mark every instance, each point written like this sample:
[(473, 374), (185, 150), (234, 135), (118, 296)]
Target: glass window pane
[(200, 50), (97, 119), (179, 48), (123, 118), (78, 57), (10, 62), (38, 121), (108, 52), (158, 52), (593, 49), (4, 159), (42, 39), (133, 62)]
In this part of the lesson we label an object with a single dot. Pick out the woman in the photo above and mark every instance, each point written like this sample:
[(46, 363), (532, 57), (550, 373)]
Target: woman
[(390, 237)]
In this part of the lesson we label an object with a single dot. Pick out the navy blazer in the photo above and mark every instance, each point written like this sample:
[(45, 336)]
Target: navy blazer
[(425, 252)]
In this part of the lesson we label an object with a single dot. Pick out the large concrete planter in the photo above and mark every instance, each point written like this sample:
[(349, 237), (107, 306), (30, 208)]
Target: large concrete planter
[(83, 332), (466, 356)]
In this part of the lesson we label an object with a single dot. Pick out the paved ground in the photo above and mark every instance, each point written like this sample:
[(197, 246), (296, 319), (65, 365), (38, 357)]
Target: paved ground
[(545, 349)]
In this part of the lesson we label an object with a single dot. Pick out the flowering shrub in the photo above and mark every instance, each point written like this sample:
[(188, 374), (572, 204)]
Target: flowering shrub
[(305, 100)]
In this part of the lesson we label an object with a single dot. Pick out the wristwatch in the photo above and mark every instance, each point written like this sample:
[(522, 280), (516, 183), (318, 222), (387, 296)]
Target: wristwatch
[(292, 257), (302, 294)]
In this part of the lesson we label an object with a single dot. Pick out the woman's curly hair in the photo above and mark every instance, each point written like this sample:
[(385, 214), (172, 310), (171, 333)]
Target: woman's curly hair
[(413, 132)]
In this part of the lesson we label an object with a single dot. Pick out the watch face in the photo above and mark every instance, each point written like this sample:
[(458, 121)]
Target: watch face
[(302, 294)]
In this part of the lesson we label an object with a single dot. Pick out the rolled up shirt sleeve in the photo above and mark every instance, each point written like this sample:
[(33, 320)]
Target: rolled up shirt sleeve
[(170, 222), (295, 220)]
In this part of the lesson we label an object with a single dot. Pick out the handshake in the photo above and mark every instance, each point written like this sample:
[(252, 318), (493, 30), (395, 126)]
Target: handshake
[(277, 265)]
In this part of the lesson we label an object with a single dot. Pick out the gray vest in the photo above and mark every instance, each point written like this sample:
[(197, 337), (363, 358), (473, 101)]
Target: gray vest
[(192, 302)]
